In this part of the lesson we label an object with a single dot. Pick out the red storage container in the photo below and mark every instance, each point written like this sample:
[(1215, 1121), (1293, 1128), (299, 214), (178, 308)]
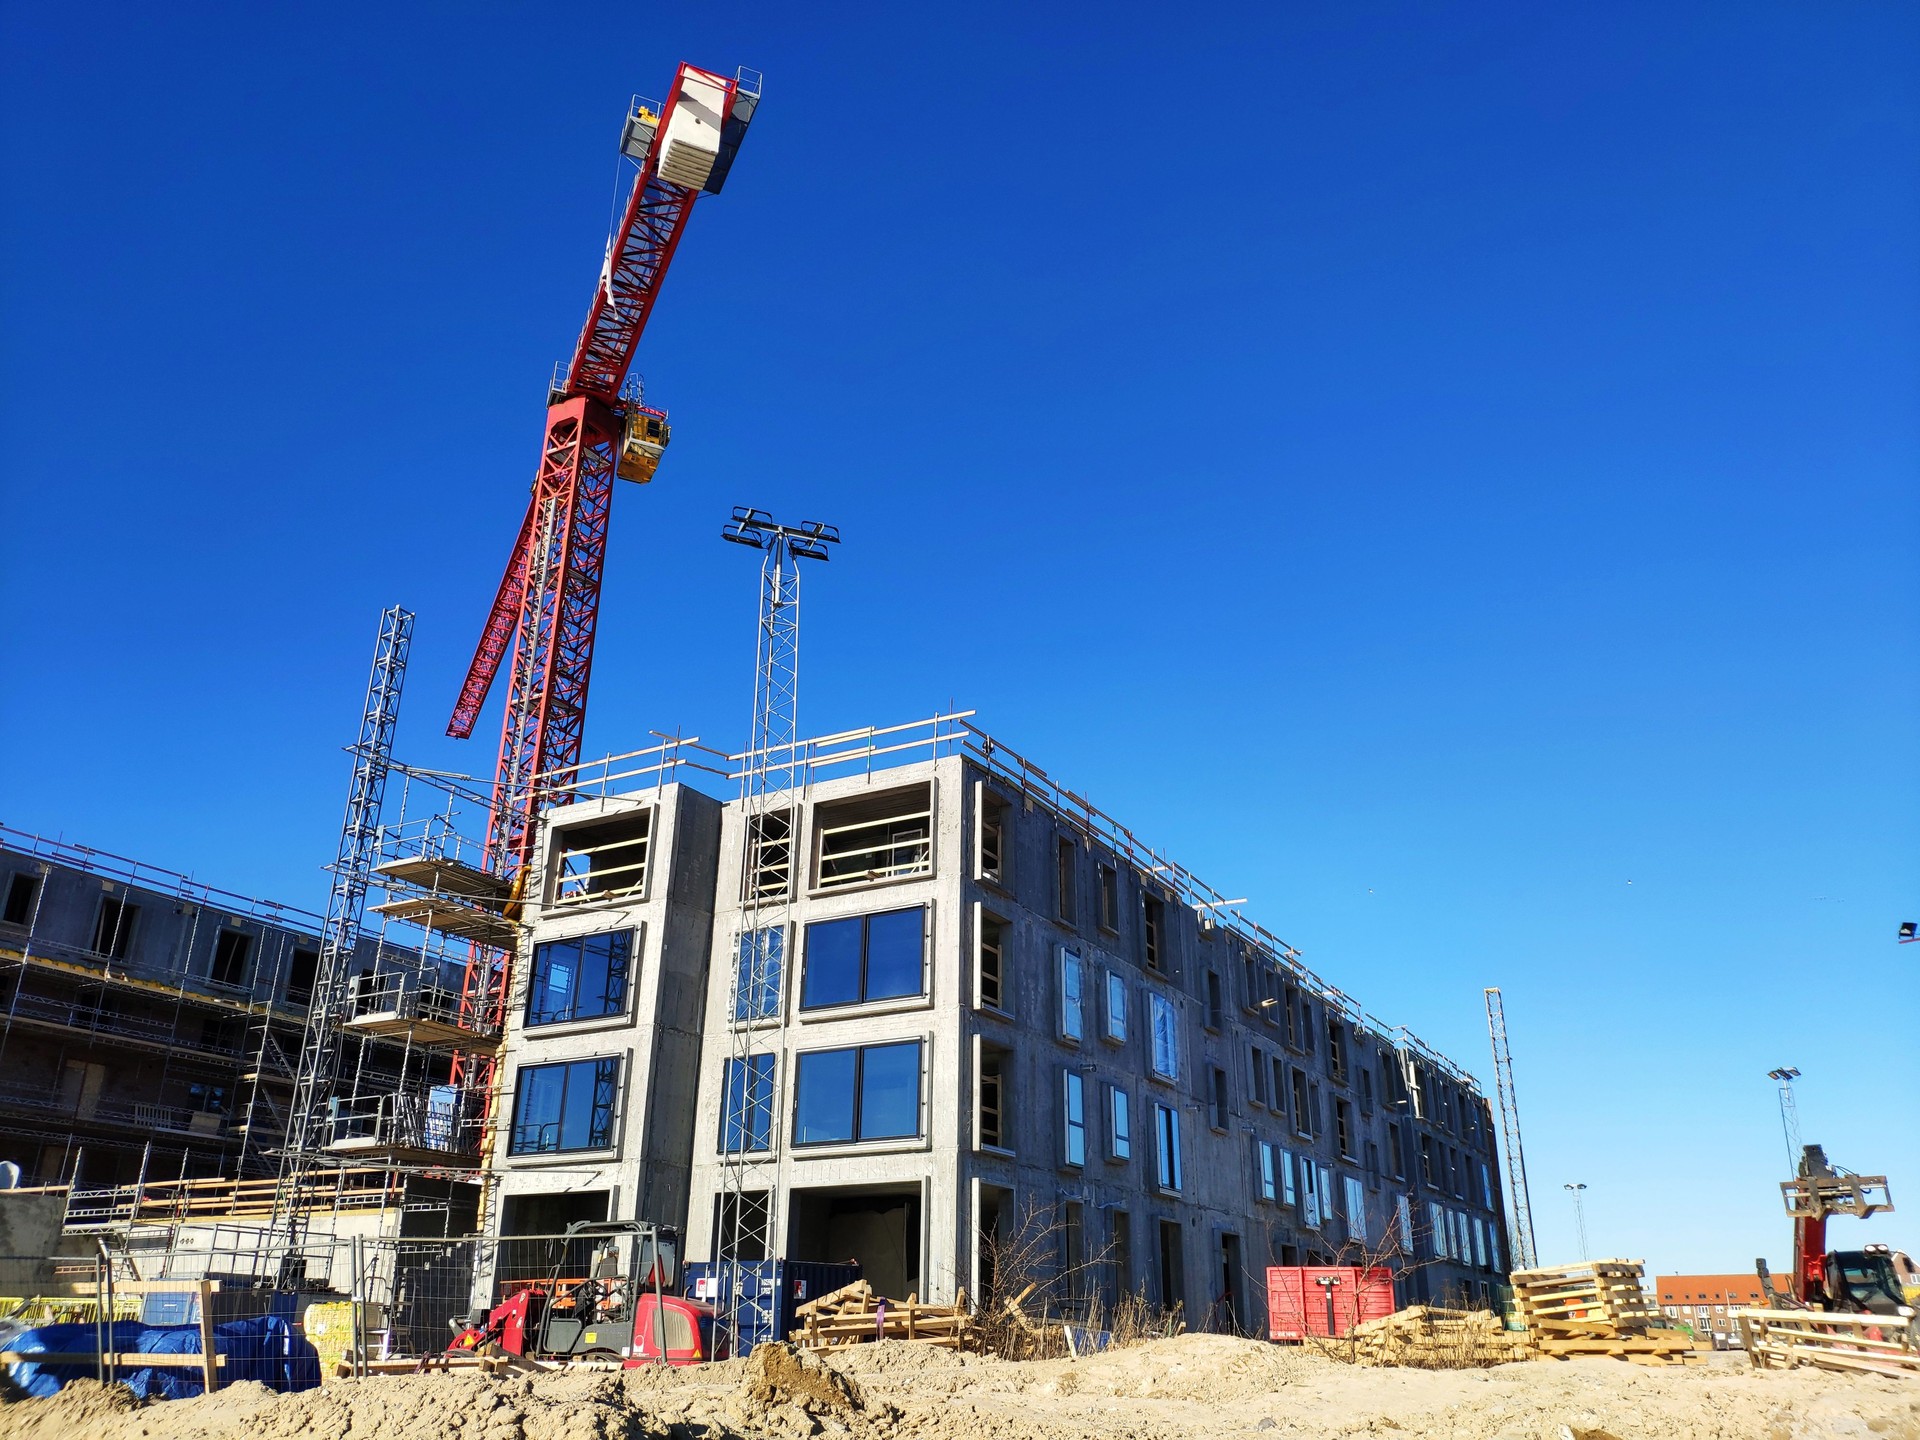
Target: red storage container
[(1297, 1300)]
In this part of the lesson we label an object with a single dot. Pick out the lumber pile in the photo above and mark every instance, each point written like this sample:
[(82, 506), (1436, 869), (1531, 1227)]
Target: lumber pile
[(1598, 1307), (1782, 1339), (1433, 1338), (854, 1315)]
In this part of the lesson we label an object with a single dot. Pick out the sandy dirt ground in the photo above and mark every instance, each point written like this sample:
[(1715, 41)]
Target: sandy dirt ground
[(1189, 1386)]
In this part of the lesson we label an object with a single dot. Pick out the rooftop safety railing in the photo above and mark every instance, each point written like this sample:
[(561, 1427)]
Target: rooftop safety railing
[(872, 749)]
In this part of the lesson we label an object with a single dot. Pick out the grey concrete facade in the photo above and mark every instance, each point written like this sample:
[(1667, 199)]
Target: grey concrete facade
[(1375, 1146), (652, 1035)]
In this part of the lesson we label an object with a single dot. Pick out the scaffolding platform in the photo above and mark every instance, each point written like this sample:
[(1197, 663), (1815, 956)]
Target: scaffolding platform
[(445, 877), (399, 1153), (460, 919), (428, 1031)]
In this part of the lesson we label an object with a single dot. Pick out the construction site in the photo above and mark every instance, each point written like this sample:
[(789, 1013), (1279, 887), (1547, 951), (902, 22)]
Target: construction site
[(776, 1083)]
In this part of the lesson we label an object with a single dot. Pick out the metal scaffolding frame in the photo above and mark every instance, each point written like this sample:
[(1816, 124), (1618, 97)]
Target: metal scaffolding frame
[(1523, 1257), (319, 1064)]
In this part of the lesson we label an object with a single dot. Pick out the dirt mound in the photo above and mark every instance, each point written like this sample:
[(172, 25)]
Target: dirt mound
[(899, 1357), (780, 1375), (78, 1409)]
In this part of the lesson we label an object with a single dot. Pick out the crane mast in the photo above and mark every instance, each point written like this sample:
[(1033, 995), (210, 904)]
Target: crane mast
[(546, 608)]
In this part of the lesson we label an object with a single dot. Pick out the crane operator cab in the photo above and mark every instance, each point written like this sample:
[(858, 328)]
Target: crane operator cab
[(642, 442)]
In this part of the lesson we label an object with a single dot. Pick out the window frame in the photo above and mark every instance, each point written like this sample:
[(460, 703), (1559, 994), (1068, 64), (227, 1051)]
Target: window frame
[(1070, 1016), (866, 919), (1066, 872), (1158, 1006), (857, 1100), (1114, 1020), (608, 1139), (544, 948), (23, 897), (227, 940), (983, 921), (1073, 1119), (1119, 1124), (1167, 1175)]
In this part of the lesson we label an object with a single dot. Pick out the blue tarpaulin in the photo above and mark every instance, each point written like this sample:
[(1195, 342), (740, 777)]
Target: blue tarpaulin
[(265, 1348)]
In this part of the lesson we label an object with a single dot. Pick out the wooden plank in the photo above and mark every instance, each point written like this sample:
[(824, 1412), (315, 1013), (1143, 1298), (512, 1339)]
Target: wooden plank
[(132, 1359)]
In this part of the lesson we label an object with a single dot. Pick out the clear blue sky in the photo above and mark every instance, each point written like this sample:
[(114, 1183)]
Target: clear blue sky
[(1446, 472)]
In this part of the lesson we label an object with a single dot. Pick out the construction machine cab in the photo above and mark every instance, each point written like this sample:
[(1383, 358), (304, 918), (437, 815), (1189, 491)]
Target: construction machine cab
[(643, 440)]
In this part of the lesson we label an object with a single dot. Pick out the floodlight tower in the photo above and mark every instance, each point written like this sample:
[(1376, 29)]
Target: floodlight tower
[(769, 777), (1789, 1114)]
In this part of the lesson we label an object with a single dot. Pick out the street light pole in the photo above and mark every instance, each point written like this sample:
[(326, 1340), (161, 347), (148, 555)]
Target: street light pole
[(1578, 1191)]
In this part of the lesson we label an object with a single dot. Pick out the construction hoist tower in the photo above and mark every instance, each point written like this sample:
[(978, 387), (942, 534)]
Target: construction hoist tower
[(1523, 1257), (318, 1069), (771, 777)]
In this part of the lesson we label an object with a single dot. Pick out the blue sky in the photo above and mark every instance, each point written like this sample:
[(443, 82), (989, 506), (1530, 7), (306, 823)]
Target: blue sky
[(1444, 472)]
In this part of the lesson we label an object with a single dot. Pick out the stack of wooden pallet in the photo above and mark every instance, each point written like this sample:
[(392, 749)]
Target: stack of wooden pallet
[(1435, 1339), (1598, 1307), (1832, 1341), (854, 1315)]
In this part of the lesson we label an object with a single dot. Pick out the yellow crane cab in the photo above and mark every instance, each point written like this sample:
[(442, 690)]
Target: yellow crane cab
[(642, 443)]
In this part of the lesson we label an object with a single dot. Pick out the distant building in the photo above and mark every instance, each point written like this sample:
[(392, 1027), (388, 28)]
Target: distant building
[(1706, 1302)]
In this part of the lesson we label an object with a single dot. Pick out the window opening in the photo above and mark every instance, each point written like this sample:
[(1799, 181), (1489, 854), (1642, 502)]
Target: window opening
[(864, 957), (759, 973), (113, 928), (1217, 1097), (1343, 1126), (1072, 995), (770, 856), (1153, 921), (564, 1107), (1166, 1135), (602, 860), (991, 1120), (581, 978), (1215, 1010), (869, 1092), (22, 890), (231, 951), (746, 1117), (1074, 1118), (1257, 1073), (989, 963), (1119, 1124), (992, 856), (1109, 899), (868, 840), (302, 972), (1063, 863), (1166, 1037)]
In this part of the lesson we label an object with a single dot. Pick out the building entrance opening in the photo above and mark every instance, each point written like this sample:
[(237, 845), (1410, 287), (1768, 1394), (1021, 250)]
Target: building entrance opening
[(877, 1228), (1173, 1270)]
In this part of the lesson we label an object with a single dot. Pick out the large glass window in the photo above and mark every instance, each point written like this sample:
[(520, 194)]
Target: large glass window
[(869, 1093), (746, 1116), (564, 1107), (1166, 1145), (1116, 1007), (579, 979), (1073, 988), (1073, 1101), (864, 957), (759, 960), (1269, 1176), (1166, 1038)]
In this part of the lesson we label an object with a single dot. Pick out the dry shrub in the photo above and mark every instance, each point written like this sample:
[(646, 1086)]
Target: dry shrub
[(1021, 1313)]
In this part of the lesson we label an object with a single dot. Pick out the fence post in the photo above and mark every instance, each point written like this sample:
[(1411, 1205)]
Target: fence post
[(209, 1359)]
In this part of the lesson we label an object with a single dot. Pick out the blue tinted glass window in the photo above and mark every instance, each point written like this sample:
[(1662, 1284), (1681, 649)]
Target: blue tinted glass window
[(889, 1091), (864, 957), (871, 1093), (893, 953), (757, 973), (746, 1121), (564, 1107), (833, 963), (581, 978), (824, 1095)]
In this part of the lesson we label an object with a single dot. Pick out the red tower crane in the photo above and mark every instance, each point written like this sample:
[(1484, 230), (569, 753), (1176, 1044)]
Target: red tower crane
[(598, 429)]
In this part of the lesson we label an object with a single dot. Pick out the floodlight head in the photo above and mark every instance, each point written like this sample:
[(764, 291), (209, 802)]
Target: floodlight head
[(1909, 930), (1783, 1074)]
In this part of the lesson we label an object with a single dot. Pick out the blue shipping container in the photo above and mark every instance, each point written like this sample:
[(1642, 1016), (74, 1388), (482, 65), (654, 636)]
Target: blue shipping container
[(769, 1292)]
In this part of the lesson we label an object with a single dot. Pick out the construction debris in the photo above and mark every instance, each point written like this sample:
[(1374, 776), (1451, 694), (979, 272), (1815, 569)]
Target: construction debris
[(1597, 1307), (1431, 1338), (854, 1315), (1782, 1339)]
